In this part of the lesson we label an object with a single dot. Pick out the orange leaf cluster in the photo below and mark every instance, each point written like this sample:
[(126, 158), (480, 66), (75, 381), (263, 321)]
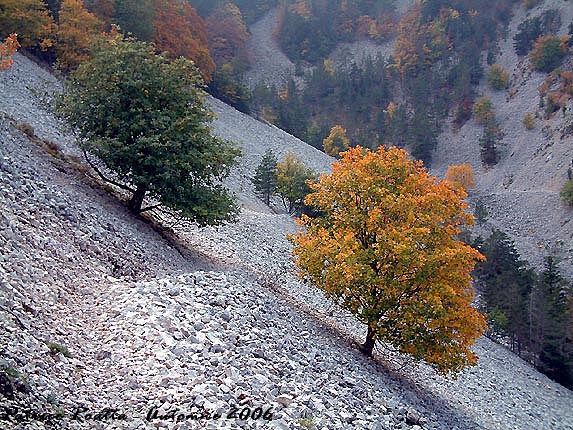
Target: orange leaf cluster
[(461, 176), (180, 31), (30, 19), (9, 47), (228, 34), (386, 249), (76, 28)]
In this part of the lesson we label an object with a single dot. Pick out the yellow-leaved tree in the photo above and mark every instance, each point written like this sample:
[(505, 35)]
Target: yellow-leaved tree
[(336, 142), (386, 249)]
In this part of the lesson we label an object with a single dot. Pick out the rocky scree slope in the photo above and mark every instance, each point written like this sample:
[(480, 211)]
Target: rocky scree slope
[(521, 192), (146, 327)]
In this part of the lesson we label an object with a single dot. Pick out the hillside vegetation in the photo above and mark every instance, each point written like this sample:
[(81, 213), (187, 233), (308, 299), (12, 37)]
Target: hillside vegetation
[(219, 319), (224, 322)]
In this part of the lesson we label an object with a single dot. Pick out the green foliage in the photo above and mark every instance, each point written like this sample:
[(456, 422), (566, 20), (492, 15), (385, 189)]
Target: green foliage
[(483, 110), (56, 348), (497, 321), (265, 180), (505, 283), (550, 313), (532, 311), (548, 53), (529, 30), (481, 212), (145, 118), (136, 17), (567, 192), (498, 77), (309, 30), (489, 142), (292, 183), (529, 121), (251, 10), (226, 86)]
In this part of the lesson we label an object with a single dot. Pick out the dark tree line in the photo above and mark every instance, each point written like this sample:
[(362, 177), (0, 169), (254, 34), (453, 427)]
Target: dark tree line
[(532, 311)]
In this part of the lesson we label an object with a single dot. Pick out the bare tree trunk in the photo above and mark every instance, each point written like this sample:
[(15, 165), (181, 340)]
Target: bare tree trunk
[(136, 201), (368, 346)]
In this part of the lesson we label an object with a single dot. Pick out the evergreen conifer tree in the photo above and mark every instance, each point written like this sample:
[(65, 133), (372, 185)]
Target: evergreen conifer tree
[(265, 180)]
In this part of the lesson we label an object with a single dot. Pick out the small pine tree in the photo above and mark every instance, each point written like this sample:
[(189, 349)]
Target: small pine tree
[(265, 180), (567, 192), (480, 212), (488, 142)]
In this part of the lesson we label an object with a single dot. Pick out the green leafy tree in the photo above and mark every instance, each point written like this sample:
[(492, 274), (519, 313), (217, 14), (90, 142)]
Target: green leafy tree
[(498, 77), (548, 52), (145, 118), (292, 182), (136, 17), (386, 249), (265, 179)]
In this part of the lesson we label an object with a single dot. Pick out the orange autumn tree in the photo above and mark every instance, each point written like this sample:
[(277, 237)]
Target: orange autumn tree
[(461, 176), (228, 35), (30, 19), (76, 28), (9, 47), (385, 248), (181, 32)]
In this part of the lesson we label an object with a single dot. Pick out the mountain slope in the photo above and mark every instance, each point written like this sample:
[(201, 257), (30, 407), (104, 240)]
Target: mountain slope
[(521, 192), (148, 327)]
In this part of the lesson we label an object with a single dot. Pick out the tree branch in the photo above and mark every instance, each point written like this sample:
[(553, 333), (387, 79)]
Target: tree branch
[(101, 175), (148, 208)]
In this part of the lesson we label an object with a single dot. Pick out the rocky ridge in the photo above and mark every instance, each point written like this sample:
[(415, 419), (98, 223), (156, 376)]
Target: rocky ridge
[(144, 327)]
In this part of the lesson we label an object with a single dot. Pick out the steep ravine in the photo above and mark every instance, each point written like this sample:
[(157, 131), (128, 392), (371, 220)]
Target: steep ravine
[(147, 327)]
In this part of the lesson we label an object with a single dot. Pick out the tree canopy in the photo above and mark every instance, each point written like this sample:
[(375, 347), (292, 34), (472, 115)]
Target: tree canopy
[(145, 117), (385, 248)]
